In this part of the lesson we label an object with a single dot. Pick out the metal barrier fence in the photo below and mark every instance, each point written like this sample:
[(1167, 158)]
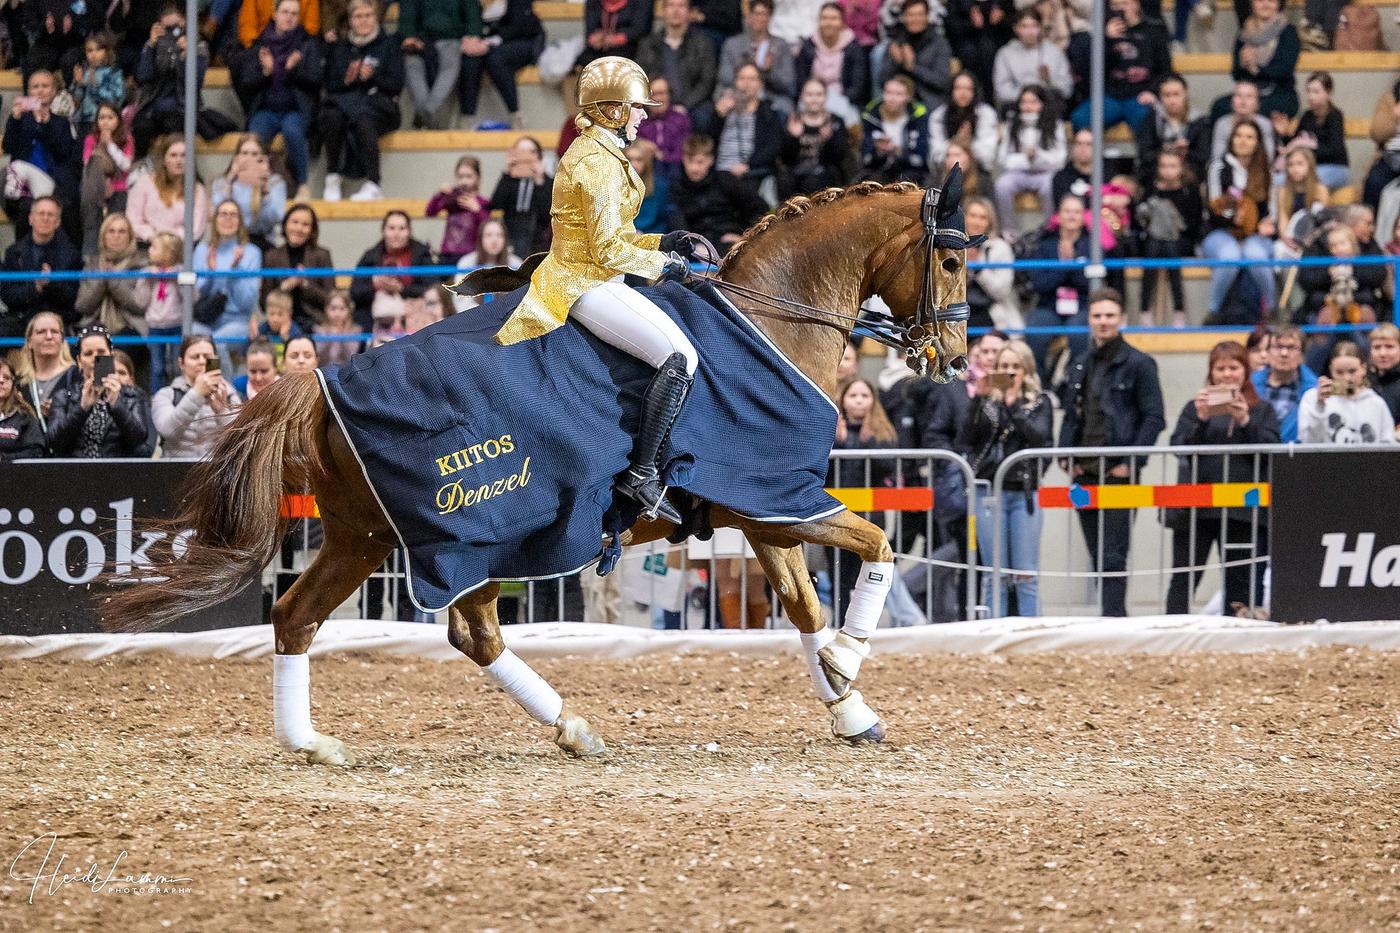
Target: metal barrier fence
[(1207, 495), (717, 583)]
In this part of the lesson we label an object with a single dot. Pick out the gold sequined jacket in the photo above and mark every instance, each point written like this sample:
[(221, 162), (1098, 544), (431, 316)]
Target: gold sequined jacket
[(596, 198)]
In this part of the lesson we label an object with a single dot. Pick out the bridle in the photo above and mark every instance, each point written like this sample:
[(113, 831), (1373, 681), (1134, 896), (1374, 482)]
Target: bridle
[(916, 336)]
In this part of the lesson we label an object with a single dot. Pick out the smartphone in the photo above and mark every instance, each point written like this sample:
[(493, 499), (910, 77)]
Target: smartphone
[(211, 365), (102, 367), (1344, 387), (1000, 381), (1218, 399), (28, 104)]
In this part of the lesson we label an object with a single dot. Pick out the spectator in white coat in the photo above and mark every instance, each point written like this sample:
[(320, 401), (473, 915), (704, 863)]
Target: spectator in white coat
[(1343, 408), (1028, 59), (967, 119), (189, 412)]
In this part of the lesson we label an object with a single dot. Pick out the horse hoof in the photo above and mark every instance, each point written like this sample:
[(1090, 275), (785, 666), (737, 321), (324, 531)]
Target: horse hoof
[(854, 721), (329, 751), (872, 736), (576, 737)]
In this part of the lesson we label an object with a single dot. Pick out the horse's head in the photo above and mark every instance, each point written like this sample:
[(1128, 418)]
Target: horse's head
[(923, 279)]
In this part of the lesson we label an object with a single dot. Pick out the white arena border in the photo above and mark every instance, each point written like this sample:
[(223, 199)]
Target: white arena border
[(1147, 635)]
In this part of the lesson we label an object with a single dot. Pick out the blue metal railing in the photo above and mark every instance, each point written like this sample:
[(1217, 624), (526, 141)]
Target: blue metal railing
[(1025, 265)]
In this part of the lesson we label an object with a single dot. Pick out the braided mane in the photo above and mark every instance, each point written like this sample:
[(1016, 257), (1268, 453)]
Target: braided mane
[(800, 204)]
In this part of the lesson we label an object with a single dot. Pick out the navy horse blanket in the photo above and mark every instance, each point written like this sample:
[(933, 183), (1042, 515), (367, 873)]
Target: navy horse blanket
[(497, 463)]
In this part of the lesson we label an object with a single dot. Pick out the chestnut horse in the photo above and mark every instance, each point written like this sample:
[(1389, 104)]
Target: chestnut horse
[(831, 252)]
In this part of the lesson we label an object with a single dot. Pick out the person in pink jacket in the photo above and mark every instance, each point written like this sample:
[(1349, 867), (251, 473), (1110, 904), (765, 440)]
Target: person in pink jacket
[(156, 201)]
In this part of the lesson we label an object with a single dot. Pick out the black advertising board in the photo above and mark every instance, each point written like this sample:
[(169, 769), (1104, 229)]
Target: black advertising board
[(64, 523), (1335, 537)]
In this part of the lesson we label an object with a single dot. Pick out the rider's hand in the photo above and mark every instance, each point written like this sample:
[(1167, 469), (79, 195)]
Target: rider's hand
[(678, 242), (676, 269)]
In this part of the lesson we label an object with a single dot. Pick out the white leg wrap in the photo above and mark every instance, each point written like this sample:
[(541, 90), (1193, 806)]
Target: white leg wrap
[(844, 654), (291, 701), (812, 644), (868, 599), (850, 716), (526, 687)]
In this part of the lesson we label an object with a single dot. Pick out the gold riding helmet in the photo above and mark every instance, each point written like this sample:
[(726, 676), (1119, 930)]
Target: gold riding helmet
[(612, 80)]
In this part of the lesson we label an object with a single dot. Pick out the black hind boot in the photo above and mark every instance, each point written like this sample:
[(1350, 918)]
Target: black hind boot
[(660, 406)]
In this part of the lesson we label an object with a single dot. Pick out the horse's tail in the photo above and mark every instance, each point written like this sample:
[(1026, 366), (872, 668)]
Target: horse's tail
[(232, 501)]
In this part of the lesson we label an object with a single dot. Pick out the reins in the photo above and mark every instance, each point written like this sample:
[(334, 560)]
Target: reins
[(914, 339)]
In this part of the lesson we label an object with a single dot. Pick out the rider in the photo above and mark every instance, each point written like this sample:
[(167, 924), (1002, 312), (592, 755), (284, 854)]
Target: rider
[(596, 198)]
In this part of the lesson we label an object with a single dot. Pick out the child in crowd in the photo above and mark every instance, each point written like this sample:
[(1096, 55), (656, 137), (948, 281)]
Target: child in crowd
[(277, 328), (107, 155), (1343, 408), (339, 321), (1385, 365), (1170, 217), (1322, 130), (161, 299), (466, 210), (1300, 192), (99, 81)]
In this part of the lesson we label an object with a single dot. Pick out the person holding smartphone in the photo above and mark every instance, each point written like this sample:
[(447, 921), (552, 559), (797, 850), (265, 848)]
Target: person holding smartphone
[(1228, 410), (1009, 413), (1343, 408), (93, 414), (190, 411)]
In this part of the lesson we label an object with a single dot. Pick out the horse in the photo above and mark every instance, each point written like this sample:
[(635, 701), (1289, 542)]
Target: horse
[(826, 254)]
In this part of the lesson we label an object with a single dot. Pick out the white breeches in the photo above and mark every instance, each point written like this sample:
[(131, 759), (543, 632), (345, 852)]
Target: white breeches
[(625, 318)]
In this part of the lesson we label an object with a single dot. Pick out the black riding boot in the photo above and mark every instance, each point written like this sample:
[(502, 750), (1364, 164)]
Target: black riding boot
[(660, 406)]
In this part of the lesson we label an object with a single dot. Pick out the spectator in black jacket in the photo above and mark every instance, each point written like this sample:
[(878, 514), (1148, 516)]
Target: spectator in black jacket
[(1061, 295), (614, 29), (37, 137), (1136, 56), (835, 58), (1173, 125), (1006, 417), (718, 19), (524, 195), (1171, 218), (1384, 370), (1112, 398), (977, 29), (1076, 177), (895, 141), (816, 149), (1246, 419), (682, 54), (93, 418), (364, 75), (379, 300), (746, 130), (45, 249), (1339, 293), (917, 51), (57, 33), (279, 83), (160, 79), (512, 37), (715, 205), (21, 436), (1321, 128)]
